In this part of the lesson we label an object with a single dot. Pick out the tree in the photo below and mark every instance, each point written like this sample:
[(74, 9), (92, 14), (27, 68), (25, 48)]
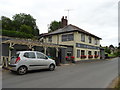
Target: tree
[(54, 25), (6, 23), (26, 29), (107, 50), (111, 46), (25, 19)]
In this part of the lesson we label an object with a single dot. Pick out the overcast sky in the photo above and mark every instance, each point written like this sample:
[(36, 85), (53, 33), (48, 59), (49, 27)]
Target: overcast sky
[(99, 17)]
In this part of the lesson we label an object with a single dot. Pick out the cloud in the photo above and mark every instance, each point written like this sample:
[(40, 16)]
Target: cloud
[(95, 16)]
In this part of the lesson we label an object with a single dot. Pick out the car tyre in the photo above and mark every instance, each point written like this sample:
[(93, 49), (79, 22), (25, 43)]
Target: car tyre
[(52, 67), (22, 70)]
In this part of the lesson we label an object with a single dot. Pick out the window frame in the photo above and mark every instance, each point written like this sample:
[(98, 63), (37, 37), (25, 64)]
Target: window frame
[(50, 39), (82, 37), (89, 52), (96, 41), (40, 57), (90, 39), (67, 37), (83, 53), (95, 53)]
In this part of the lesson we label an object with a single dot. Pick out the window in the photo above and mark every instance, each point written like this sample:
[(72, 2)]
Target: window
[(98, 53), (89, 53), (78, 53), (29, 55), (96, 41), (50, 39), (82, 52), (68, 37), (95, 53), (83, 37), (69, 53), (90, 39), (64, 37), (41, 56)]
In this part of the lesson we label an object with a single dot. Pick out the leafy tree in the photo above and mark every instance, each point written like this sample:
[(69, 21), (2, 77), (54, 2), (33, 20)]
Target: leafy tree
[(0, 24), (26, 29), (54, 25), (107, 50), (6, 23), (25, 19), (21, 23), (111, 46)]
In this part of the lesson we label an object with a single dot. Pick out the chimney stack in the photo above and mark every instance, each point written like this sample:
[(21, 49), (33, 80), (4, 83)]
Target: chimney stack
[(64, 21)]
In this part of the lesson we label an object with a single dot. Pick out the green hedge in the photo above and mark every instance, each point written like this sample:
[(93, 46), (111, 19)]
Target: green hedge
[(16, 34)]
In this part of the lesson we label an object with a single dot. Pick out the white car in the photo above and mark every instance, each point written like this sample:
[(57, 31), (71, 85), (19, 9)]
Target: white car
[(30, 60)]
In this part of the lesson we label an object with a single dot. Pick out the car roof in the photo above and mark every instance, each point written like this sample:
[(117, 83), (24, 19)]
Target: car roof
[(26, 51)]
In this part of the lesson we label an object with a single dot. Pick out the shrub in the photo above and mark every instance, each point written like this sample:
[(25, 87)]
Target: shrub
[(16, 34)]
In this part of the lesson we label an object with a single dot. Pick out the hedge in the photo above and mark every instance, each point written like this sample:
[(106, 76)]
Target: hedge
[(16, 34)]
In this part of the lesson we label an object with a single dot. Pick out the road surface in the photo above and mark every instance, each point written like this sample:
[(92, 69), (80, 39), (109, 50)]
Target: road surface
[(82, 75)]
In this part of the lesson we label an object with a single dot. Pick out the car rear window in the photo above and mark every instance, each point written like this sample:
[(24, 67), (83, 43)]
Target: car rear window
[(16, 55)]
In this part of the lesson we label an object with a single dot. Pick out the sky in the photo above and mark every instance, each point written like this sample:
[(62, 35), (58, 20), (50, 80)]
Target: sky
[(99, 17)]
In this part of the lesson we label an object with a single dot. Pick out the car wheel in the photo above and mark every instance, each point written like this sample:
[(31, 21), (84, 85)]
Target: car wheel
[(22, 70), (52, 67)]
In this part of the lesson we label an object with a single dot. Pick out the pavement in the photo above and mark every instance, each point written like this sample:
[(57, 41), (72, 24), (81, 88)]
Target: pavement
[(80, 75)]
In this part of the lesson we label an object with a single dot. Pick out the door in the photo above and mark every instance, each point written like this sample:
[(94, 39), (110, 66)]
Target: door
[(30, 60), (43, 60)]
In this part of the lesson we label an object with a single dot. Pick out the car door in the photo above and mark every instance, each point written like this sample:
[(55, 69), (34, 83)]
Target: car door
[(43, 60), (30, 60)]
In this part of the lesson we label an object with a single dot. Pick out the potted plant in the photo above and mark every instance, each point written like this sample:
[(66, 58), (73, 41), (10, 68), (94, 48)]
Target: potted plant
[(83, 56), (90, 56), (67, 58), (72, 59), (96, 56)]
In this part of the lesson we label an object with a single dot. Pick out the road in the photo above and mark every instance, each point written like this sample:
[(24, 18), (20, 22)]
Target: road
[(82, 75)]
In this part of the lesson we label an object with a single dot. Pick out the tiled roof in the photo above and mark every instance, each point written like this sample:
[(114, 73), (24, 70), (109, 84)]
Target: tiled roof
[(70, 28)]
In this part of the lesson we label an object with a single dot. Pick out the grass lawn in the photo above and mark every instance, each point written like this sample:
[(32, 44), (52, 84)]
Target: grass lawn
[(111, 55)]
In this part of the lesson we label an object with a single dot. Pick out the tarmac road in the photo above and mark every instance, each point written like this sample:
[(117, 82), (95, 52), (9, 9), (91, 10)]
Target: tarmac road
[(82, 75)]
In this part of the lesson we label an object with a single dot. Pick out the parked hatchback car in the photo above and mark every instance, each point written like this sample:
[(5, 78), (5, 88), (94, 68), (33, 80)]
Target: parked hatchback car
[(24, 61)]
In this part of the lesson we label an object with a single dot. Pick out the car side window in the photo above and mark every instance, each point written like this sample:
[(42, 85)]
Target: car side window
[(41, 56), (29, 55)]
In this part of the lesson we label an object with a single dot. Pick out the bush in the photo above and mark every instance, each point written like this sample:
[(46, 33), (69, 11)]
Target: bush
[(16, 34)]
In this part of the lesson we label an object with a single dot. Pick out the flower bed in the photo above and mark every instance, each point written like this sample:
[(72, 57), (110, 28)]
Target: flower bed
[(96, 56), (83, 56), (90, 56)]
